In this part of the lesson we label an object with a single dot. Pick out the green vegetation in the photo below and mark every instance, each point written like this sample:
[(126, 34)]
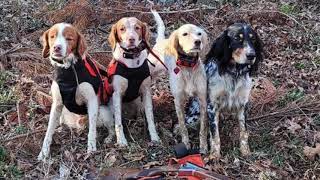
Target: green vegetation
[(8, 171), (7, 94), (299, 65), (291, 96), (288, 9)]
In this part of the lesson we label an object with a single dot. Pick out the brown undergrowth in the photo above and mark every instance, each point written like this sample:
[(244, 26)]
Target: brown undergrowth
[(283, 118)]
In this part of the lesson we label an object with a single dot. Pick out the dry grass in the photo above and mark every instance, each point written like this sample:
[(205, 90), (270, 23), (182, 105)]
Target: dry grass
[(283, 119)]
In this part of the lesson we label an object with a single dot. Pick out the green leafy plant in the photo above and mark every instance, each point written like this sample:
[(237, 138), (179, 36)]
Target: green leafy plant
[(20, 129), (288, 9), (291, 96), (299, 66), (7, 93)]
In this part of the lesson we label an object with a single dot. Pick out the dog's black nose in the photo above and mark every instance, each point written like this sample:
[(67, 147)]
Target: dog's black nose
[(251, 57), (197, 43)]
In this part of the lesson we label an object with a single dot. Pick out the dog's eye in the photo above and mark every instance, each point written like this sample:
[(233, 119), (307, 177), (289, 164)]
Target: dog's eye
[(137, 28), (122, 29), (184, 34), (252, 37), (239, 37), (69, 39), (199, 34), (52, 36)]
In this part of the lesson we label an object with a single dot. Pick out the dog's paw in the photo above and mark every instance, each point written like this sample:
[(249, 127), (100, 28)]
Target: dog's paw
[(155, 138), (203, 150), (43, 156), (108, 140), (91, 147), (154, 143), (214, 156), (245, 150), (121, 145), (122, 142)]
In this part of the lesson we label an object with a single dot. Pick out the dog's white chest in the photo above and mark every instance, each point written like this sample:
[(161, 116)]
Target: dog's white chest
[(230, 93)]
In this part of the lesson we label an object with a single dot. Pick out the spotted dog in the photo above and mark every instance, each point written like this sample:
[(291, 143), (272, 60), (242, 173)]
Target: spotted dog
[(230, 64)]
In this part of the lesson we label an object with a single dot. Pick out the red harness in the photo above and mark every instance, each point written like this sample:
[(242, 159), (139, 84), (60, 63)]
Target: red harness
[(105, 90)]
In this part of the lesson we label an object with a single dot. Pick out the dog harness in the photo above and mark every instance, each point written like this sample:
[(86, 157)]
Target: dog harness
[(135, 77), (84, 70)]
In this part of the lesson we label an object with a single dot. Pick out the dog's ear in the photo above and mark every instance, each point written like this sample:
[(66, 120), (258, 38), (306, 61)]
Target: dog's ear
[(205, 42), (45, 44), (113, 37), (145, 32), (259, 54), (173, 45), (81, 45), (221, 51)]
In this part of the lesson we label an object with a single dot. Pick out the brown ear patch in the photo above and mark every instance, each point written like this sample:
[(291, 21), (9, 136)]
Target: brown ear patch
[(173, 44), (145, 32), (113, 36), (81, 45), (45, 44)]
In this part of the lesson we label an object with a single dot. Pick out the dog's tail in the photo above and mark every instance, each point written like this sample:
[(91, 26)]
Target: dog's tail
[(160, 25)]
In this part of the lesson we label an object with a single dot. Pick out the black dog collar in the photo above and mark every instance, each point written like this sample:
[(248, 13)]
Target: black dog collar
[(134, 52), (239, 69), (56, 60)]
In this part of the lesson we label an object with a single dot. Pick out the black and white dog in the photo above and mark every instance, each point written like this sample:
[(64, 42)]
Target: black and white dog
[(233, 57)]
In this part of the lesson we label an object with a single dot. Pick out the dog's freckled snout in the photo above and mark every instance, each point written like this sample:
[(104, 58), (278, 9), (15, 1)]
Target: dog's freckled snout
[(131, 40), (57, 48)]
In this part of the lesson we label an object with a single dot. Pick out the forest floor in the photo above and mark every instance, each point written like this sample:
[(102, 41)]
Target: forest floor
[(284, 116)]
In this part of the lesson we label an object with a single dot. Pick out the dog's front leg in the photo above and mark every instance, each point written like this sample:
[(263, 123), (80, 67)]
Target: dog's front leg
[(147, 102), (213, 115), (93, 117), (119, 85), (106, 117), (55, 113), (244, 135), (203, 134), (86, 94), (179, 100)]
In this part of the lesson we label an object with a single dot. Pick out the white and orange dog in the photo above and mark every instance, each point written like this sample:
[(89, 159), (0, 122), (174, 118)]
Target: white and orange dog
[(130, 73), (182, 53), (75, 88)]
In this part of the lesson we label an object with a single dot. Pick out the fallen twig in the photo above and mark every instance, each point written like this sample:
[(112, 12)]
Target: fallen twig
[(23, 135), (298, 109), (162, 12)]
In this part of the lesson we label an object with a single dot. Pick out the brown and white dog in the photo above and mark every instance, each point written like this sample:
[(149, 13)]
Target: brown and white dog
[(182, 53), (73, 88), (128, 39)]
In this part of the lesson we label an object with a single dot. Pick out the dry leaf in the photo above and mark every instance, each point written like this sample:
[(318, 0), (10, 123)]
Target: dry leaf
[(317, 136), (293, 126), (312, 152)]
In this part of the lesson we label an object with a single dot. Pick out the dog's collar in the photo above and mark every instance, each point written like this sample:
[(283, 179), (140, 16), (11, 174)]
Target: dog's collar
[(134, 52), (57, 61), (187, 61), (238, 70)]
